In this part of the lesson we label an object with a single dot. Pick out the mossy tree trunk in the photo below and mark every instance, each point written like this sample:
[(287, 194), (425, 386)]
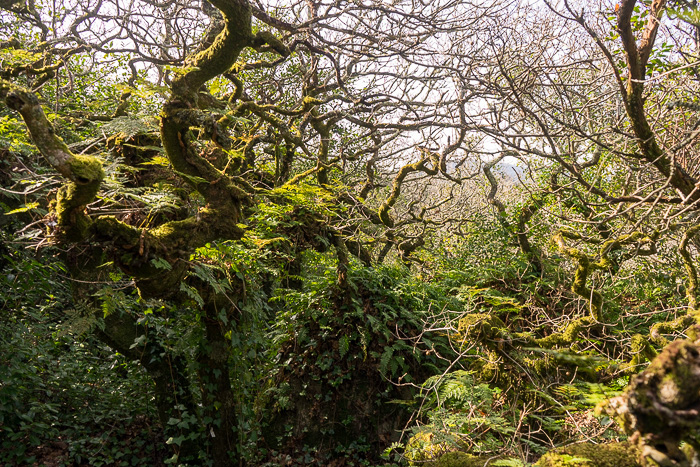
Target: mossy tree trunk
[(121, 332)]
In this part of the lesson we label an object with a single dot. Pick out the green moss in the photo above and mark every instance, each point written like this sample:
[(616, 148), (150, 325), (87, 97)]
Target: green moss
[(641, 350), (111, 228), (592, 455), (422, 451), (677, 388), (676, 370), (222, 54), (570, 334), (73, 196), (175, 230), (266, 37), (86, 169), (680, 324), (480, 327), (655, 407), (542, 365), (459, 459), (594, 298), (74, 223), (384, 215), (615, 244)]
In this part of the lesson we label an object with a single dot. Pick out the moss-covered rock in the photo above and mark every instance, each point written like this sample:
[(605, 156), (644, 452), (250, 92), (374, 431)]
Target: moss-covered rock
[(659, 407), (592, 455)]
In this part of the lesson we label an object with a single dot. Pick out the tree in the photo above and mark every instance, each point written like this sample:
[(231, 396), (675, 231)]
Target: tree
[(604, 98), (281, 140), (210, 154)]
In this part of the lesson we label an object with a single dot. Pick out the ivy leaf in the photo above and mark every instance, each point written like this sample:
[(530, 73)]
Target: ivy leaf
[(175, 440)]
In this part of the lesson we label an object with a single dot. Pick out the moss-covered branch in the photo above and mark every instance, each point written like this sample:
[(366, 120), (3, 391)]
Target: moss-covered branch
[(615, 244), (222, 53), (84, 173), (691, 270), (678, 325), (579, 287), (420, 166), (134, 249), (179, 113), (641, 351), (526, 213), (586, 264)]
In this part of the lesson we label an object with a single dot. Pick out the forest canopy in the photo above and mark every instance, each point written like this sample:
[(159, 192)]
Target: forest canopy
[(240, 232)]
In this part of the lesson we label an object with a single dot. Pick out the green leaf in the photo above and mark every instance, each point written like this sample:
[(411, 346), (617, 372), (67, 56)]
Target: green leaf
[(344, 345), (175, 440), (191, 178), (386, 358), (192, 293), (160, 263), (25, 208), (125, 125)]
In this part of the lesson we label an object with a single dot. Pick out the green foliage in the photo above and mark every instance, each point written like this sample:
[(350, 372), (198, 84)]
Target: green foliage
[(459, 413), (382, 306), (483, 343), (63, 394), (13, 136), (341, 348)]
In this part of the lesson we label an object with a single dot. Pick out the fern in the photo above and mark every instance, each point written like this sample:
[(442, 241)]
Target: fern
[(385, 359), (127, 126), (192, 293), (206, 273), (462, 413), (343, 345)]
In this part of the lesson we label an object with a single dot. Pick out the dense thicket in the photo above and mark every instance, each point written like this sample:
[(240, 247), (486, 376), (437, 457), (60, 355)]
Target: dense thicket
[(349, 233)]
